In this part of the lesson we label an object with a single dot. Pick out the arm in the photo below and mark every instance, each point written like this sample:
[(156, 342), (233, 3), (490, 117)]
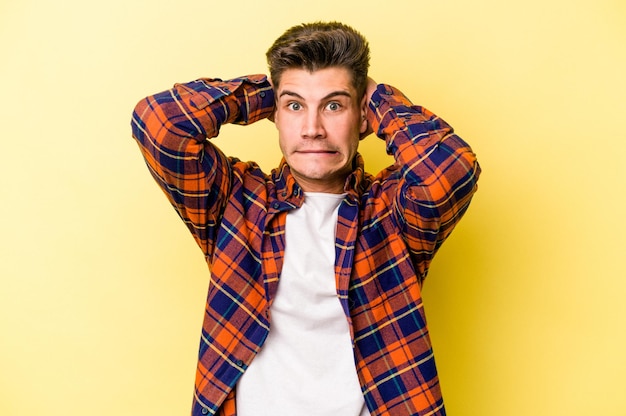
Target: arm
[(438, 170), (172, 128)]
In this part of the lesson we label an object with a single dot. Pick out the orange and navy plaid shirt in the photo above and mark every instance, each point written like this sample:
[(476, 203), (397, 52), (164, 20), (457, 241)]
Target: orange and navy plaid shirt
[(389, 228)]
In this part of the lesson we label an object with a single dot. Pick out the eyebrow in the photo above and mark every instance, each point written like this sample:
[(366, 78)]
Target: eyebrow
[(326, 97)]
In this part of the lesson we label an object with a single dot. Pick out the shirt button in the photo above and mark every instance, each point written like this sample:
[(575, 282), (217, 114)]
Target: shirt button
[(275, 205), (262, 94), (239, 363), (205, 411)]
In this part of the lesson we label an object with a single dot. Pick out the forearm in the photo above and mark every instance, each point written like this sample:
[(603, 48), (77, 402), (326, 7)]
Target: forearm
[(196, 110), (172, 128), (439, 171)]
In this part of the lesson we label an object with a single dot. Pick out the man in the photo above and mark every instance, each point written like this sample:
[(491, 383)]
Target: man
[(314, 304)]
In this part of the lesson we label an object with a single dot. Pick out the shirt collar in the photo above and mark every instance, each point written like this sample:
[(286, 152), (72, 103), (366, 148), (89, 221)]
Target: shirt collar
[(287, 189)]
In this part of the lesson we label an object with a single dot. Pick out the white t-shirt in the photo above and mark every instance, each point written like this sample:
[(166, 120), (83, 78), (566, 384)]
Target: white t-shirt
[(306, 366)]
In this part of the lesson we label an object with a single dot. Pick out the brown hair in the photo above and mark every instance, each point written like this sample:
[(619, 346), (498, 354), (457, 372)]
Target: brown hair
[(319, 45)]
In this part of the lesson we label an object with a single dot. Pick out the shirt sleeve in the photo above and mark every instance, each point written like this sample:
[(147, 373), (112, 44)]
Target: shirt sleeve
[(172, 128), (438, 171)]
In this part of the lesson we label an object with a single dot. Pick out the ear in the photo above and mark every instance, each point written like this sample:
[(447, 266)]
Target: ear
[(364, 123), (366, 128), (274, 117)]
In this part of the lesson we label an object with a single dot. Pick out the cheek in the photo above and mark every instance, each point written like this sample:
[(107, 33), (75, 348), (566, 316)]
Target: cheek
[(354, 131), (355, 146), (281, 141), (284, 134), (284, 124)]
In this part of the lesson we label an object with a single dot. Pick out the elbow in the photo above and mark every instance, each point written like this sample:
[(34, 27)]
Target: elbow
[(139, 120), (474, 171), (463, 169), (465, 180)]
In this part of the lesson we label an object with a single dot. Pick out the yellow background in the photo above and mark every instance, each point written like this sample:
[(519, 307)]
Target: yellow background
[(102, 289)]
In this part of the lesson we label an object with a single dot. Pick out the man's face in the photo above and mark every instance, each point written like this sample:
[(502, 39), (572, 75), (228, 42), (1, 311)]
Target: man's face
[(319, 120)]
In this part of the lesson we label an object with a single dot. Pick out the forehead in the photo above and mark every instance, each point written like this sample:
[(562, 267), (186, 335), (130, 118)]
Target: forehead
[(316, 84)]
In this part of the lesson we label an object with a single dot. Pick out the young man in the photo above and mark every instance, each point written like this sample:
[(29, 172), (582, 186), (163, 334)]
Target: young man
[(314, 304)]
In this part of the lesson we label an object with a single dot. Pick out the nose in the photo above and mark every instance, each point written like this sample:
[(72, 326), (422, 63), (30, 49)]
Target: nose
[(312, 126)]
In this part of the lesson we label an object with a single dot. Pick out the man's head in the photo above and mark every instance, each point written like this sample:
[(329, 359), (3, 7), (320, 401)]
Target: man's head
[(315, 46), (319, 75)]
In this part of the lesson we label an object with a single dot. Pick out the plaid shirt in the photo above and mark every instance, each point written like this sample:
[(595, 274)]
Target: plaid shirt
[(388, 230)]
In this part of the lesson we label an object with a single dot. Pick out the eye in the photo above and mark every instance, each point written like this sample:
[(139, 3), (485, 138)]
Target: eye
[(294, 106), (333, 106)]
